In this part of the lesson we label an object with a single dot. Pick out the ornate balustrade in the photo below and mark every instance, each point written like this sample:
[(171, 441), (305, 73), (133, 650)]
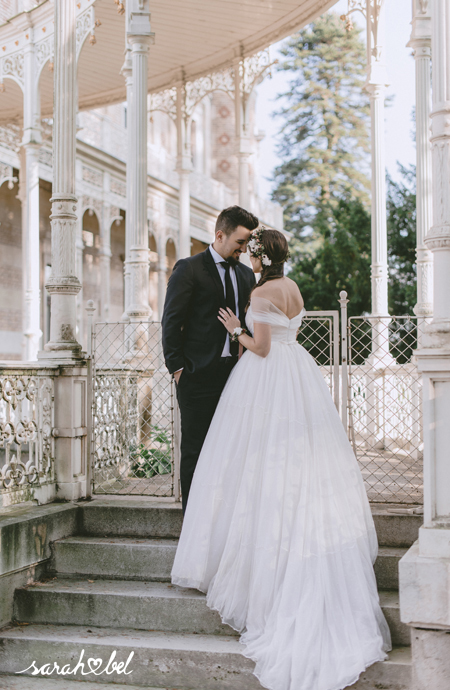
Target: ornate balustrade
[(26, 433)]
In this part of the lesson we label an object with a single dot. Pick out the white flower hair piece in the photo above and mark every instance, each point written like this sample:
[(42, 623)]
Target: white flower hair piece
[(256, 247)]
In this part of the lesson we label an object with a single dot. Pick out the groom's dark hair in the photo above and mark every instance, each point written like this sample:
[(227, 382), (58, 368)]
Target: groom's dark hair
[(229, 219)]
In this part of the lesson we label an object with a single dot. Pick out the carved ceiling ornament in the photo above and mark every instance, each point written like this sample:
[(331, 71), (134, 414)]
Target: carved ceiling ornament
[(375, 9), (12, 66), (6, 175), (85, 25), (44, 52), (252, 71)]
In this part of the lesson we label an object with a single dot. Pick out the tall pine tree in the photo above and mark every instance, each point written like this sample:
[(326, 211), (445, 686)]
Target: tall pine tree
[(324, 138)]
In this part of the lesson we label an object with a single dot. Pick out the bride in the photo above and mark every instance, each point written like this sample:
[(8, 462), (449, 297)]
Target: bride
[(278, 530)]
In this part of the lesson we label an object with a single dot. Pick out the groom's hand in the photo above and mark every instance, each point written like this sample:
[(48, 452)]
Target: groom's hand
[(177, 375)]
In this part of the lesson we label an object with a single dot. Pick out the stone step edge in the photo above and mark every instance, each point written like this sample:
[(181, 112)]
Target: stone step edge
[(388, 598), (10, 682), (148, 639)]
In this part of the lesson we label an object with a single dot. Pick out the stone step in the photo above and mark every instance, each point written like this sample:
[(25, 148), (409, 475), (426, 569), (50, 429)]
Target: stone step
[(113, 517), (396, 525), (162, 660), (147, 518), (143, 606), (114, 557), (118, 603), (152, 559), (400, 633), (386, 566), (59, 683)]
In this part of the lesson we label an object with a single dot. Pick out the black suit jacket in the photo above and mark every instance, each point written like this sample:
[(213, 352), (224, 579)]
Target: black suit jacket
[(193, 337)]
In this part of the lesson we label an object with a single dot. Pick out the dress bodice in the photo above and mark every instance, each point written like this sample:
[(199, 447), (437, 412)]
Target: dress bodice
[(283, 329)]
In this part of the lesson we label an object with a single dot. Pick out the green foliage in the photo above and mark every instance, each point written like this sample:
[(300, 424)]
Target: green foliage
[(401, 228), (324, 139), (148, 462), (341, 261)]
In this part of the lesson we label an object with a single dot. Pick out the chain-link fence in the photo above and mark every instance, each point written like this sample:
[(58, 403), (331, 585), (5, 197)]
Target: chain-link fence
[(319, 334), (132, 443), (384, 410), (373, 381)]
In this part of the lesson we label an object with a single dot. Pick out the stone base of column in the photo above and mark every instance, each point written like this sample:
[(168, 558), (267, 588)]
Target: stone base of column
[(425, 606), (430, 659), (70, 432)]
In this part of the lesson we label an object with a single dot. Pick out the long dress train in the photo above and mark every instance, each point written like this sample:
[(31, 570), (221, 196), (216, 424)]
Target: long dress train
[(278, 529)]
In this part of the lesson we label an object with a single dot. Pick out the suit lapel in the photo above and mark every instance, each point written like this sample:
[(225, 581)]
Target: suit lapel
[(243, 290), (210, 265)]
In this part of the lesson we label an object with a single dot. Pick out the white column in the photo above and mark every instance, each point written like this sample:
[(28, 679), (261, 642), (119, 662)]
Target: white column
[(71, 407), (420, 42), (162, 274), (127, 72), (243, 146), (30, 228), (424, 571), (79, 250), (184, 167), (139, 37), (376, 86), (63, 285), (105, 262)]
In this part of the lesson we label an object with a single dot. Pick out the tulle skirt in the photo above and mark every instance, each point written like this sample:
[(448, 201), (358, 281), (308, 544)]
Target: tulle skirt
[(278, 530)]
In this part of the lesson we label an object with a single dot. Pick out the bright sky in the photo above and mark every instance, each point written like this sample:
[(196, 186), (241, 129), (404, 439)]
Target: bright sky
[(400, 71)]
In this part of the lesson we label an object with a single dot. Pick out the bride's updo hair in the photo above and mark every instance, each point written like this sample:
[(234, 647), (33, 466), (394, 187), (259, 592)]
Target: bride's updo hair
[(275, 247)]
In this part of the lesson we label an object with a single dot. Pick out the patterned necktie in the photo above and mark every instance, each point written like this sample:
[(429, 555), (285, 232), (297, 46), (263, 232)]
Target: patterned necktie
[(230, 301)]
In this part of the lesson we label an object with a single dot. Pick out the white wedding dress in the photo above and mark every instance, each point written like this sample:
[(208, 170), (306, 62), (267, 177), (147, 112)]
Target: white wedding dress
[(278, 530)]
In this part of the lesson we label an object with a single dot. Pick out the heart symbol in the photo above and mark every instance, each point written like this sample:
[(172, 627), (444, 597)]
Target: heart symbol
[(94, 662)]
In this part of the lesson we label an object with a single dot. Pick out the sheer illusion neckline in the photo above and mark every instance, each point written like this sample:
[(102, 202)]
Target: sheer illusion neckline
[(303, 311)]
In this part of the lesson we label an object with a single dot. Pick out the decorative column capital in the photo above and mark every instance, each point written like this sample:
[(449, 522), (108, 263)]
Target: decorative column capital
[(138, 22), (420, 40), (127, 68)]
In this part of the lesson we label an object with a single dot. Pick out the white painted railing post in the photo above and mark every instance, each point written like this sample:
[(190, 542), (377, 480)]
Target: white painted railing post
[(343, 301)]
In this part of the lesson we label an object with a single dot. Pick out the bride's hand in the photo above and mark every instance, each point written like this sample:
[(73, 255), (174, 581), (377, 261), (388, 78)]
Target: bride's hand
[(229, 320)]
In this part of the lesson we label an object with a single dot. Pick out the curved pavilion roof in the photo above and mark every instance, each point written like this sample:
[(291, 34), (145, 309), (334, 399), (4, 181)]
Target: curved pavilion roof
[(194, 37)]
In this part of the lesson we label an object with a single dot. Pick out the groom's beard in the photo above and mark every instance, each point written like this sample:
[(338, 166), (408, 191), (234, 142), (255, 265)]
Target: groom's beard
[(233, 261)]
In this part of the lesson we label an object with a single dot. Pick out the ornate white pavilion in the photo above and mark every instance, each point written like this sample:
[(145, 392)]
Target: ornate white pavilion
[(125, 127)]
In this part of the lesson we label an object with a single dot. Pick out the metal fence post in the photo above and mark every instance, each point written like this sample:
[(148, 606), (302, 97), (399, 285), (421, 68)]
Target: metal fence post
[(343, 301), (89, 395)]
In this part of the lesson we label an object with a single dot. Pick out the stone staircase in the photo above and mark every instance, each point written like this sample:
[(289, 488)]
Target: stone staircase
[(108, 590)]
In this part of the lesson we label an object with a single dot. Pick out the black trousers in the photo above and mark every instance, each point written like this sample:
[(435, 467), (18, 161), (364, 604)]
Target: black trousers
[(198, 395)]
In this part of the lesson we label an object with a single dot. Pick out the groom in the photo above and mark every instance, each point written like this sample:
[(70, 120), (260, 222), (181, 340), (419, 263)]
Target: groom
[(197, 347)]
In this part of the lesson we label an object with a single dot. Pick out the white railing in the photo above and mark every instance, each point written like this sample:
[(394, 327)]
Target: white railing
[(26, 433)]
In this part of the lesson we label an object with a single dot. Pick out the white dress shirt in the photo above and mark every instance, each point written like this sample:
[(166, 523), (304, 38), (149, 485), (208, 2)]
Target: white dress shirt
[(218, 259)]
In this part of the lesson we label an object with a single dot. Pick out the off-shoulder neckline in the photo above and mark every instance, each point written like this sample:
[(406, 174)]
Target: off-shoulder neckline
[(278, 309)]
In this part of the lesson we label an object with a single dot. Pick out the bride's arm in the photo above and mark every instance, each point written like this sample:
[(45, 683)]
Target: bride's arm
[(261, 341)]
